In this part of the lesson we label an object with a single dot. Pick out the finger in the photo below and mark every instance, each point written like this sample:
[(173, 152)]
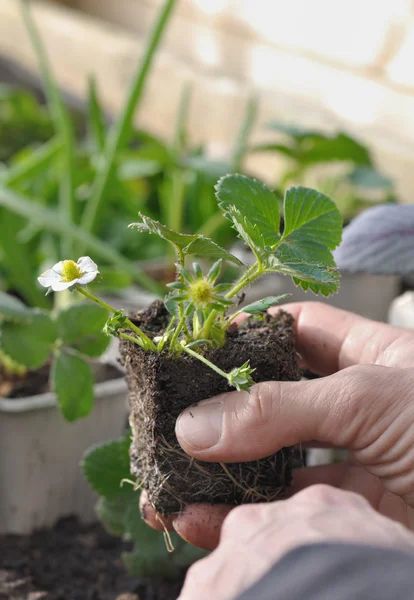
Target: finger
[(330, 339), (345, 410), (200, 524), (152, 517)]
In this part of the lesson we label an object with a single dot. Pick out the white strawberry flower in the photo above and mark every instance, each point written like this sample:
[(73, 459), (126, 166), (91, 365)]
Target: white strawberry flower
[(66, 274)]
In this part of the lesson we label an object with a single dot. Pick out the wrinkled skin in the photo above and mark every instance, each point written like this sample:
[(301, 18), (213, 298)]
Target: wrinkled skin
[(365, 403)]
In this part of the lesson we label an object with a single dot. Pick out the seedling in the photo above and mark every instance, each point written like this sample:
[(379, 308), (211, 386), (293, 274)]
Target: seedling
[(200, 308)]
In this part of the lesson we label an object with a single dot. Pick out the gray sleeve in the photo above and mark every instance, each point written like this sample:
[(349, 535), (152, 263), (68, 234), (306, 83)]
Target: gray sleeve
[(337, 572)]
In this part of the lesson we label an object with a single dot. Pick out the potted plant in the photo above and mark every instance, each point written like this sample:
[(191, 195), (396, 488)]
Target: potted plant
[(49, 372), (189, 348)]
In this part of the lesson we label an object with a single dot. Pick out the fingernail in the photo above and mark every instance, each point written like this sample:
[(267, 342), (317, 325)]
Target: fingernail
[(200, 426)]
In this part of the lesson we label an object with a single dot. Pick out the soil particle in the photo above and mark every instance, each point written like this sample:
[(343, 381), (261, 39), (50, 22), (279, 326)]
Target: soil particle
[(161, 386), (73, 562)]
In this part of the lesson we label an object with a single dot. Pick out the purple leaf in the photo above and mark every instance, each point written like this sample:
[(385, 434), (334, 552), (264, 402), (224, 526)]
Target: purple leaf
[(379, 241)]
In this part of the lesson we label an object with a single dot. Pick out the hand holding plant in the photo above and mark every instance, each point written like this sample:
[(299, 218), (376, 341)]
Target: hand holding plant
[(196, 304)]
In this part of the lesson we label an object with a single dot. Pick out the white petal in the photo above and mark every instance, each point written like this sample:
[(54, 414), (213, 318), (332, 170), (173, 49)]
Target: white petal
[(58, 267), (59, 286), (49, 277), (87, 265), (87, 278)]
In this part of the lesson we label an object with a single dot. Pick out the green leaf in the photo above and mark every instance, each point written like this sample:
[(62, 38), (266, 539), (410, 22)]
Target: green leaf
[(12, 308), (319, 277), (188, 244), (319, 148), (203, 246), (311, 216), (313, 228), (262, 305), (254, 200), (105, 466), (29, 343), (150, 556), (81, 325), (73, 383), (111, 511), (149, 541), (241, 377), (170, 302), (248, 231), (148, 225), (139, 564)]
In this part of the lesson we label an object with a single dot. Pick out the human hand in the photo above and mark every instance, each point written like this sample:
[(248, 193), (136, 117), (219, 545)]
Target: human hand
[(363, 403), (255, 536)]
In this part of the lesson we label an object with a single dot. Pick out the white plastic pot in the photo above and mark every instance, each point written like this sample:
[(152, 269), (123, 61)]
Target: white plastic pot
[(40, 476)]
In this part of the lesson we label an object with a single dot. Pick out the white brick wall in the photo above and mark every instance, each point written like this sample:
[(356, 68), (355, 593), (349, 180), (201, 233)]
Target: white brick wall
[(325, 63)]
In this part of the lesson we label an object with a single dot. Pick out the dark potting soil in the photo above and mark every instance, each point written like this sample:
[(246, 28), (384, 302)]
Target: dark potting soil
[(161, 386), (37, 382), (73, 562)]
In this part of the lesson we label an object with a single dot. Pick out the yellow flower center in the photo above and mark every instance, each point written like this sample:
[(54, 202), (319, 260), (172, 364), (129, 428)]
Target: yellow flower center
[(201, 292), (70, 271)]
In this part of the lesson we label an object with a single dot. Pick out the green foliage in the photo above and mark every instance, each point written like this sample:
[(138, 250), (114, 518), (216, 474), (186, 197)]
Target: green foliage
[(29, 343), (33, 338), (72, 380), (23, 122), (81, 327), (240, 378), (261, 306), (183, 243), (337, 164), (12, 309), (105, 467), (254, 201), (312, 228)]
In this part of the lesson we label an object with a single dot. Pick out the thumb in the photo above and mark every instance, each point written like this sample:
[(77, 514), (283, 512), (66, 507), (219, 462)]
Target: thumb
[(351, 408)]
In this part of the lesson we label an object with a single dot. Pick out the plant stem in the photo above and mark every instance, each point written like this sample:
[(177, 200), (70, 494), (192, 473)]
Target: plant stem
[(177, 331), (147, 341), (205, 361), (118, 135), (161, 344), (134, 340), (90, 296), (253, 273)]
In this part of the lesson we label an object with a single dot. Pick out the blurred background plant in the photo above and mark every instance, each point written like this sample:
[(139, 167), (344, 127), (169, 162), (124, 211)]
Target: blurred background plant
[(65, 182), (107, 469), (70, 179), (338, 165)]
